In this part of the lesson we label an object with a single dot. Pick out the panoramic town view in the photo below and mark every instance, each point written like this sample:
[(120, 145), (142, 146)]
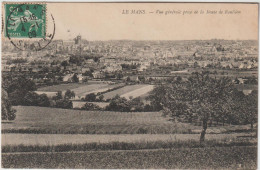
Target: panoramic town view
[(130, 104), (121, 91)]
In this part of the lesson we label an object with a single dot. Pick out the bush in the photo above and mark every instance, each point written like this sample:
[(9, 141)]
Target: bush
[(43, 100), (34, 99), (90, 97), (101, 97), (118, 104), (64, 103), (91, 106)]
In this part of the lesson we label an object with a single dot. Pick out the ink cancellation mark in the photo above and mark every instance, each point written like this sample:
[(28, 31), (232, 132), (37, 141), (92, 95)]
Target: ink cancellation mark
[(28, 22), (25, 20)]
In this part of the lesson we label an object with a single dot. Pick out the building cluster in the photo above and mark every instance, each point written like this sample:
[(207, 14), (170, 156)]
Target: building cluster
[(124, 58)]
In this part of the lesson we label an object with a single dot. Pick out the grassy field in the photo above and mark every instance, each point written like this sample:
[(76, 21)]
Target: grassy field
[(44, 120), (93, 88), (31, 119), (14, 139), (125, 90), (62, 87), (138, 92), (62, 143), (178, 158), (80, 89)]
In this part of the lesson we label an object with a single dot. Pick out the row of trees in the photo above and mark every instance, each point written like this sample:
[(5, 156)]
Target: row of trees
[(120, 104), (123, 105), (207, 99), (20, 91)]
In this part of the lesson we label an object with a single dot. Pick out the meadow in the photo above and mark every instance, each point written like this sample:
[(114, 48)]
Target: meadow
[(62, 87), (80, 89), (127, 91), (93, 88), (42, 137), (44, 120), (15, 139), (138, 92), (233, 157)]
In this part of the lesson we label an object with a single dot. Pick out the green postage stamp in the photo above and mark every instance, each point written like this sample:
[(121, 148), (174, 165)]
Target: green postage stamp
[(25, 20)]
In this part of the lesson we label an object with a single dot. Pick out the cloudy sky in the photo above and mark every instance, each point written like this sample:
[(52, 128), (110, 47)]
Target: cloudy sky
[(105, 21)]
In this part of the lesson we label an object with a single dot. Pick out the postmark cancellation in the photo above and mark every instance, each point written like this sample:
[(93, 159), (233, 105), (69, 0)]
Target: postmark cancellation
[(25, 20)]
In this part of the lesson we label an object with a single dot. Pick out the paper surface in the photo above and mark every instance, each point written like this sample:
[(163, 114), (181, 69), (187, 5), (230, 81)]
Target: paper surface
[(129, 85)]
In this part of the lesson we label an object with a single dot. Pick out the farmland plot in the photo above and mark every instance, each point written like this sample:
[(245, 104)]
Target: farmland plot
[(131, 90), (81, 90), (176, 158), (60, 139), (31, 119), (138, 92), (95, 88), (62, 87)]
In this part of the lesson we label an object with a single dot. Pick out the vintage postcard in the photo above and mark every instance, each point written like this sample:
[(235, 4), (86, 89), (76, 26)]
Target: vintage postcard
[(129, 85)]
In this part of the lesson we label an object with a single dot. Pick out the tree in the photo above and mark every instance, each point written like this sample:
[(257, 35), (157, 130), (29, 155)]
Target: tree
[(64, 64), (20, 83), (101, 97), (17, 97), (201, 96), (251, 106), (141, 78), (75, 78), (247, 108), (119, 75), (128, 79), (43, 100), (64, 103), (58, 96), (90, 97), (31, 99), (118, 104), (45, 70), (8, 113), (17, 88), (90, 106), (136, 104), (69, 94), (88, 73), (156, 96), (34, 99)]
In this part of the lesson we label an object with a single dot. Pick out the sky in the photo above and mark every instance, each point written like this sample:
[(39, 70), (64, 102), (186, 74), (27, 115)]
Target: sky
[(105, 21)]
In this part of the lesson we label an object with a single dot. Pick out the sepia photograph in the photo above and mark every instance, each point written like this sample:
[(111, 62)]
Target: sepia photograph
[(129, 85)]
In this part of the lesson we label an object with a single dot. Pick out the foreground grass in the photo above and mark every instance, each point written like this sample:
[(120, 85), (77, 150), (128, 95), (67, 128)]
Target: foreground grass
[(96, 146), (181, 158)]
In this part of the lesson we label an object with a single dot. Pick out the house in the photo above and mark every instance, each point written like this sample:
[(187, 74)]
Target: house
[(98, 75), (112, 68), (142, 67), (237, 65), (134, 78), (90, 61), (67, 78), (80, 77), (84, 69), (247, 92)]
